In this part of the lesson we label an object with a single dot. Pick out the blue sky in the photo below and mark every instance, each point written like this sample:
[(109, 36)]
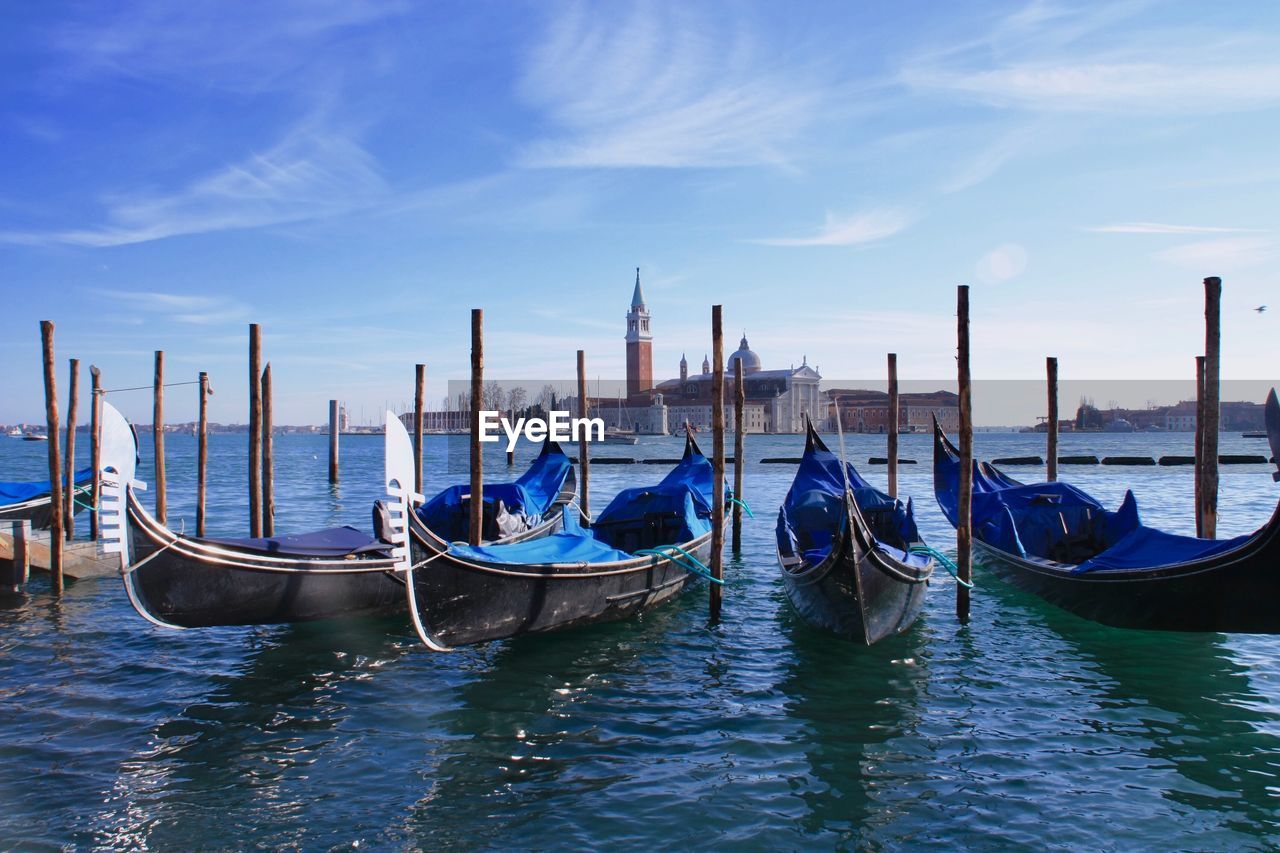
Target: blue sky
[(357, 175)]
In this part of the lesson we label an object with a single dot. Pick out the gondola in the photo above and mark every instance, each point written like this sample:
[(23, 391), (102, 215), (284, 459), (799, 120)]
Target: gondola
[(179, 581), (845, 550), (30, 500), (637, 553), (1056, 541)]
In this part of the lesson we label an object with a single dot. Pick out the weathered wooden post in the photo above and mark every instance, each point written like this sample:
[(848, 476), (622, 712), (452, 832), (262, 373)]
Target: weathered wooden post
[(1212, 412), (202, 452), (964, 530), (1199, 451), (584, 461), (334, 427), (17, 577), (255, 430), (893, 425), (268, 459), (73, 404), (717, 461), (419, 393), (95, 447), (739, 404), (1051, 373), (157, 433), (55, 461), (476, 506)]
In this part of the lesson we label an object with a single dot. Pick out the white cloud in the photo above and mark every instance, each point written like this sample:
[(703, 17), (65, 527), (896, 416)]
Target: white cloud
[(663, 88), (175, 307), (313, 172), (1162, 228), (1209, 257), (867, 227), (1001, 264)]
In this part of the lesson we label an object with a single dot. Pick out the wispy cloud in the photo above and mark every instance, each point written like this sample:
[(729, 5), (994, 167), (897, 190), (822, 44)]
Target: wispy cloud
[(1164, 228), (664, 88), (174, 307), (988, 161), (866, 227), (1230, 253), (313, 172)]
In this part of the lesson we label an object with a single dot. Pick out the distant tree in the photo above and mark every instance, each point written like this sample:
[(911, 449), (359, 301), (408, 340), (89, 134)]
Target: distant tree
[(494, 397), (547, 397), (517, 399)]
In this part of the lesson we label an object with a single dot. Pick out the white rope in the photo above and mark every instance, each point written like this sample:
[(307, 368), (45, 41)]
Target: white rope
[(133, 568)]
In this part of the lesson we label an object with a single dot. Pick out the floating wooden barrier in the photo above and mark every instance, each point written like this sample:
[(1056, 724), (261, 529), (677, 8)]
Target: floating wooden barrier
[(1077, 460), (612, 460), (780, 460), (884, 460), (1128, 460), (1177, 460), (1242, 459), (1018, 460), (1253, 435), (658, 461)]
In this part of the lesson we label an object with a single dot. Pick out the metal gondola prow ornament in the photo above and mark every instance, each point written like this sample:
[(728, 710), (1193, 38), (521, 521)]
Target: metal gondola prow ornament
[(398, 466), (119, 462), (1272, 411)]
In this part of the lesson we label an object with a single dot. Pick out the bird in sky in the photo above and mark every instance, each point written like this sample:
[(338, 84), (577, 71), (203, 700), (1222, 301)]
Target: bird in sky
[(1260, 308)]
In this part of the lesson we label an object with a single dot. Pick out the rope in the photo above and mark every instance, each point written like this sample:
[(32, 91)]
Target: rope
[(128, 570), (84, 505), (698, 567), (574, 502), (943, 560), (743, 504), (419, 565), (146, 387)]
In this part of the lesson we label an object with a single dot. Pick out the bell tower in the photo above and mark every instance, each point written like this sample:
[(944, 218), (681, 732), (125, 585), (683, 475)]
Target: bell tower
[(639, 345)]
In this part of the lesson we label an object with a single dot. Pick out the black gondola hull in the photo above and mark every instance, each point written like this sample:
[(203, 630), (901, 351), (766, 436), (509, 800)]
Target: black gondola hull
[(853, 594), (177, 584), (461, 603), (1236, 596)]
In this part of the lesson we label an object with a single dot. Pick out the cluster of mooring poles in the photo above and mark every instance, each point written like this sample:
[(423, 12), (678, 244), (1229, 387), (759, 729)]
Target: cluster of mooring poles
[(261, 449)]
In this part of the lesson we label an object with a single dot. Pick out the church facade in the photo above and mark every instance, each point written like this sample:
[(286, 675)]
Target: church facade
[(777, 401)]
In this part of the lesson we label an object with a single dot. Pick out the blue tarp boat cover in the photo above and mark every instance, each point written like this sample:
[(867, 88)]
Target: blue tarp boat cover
[(333, 542), (1060, 523), (16, 493), (812, 515), (676, 510), (529, 496)]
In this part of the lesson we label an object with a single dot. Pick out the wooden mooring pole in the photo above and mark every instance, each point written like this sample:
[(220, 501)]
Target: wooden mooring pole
[(475, 527), (739, 462), (157, 433), (95, 447), (255, 430), (717, 460), (268, 459), (55, 461), (419, 413), (73, 405), (15, 577), (1212, 391), (964, 530), (1199, 451), (202, 452), (1051, 375), (892, 426), (334, 428), (584, 459)]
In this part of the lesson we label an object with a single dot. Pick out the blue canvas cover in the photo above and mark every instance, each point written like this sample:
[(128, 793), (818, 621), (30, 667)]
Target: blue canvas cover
[(332, 542), (812, 516), (531, 495), (1060, 523), (682, 499), (16, 493)]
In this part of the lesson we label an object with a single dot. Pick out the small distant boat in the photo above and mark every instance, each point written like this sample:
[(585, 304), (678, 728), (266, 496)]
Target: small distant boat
[(30, 500), (1058, 542), (35, 436), (617, 436), (14, 432), (845, 550), (1253, 435)]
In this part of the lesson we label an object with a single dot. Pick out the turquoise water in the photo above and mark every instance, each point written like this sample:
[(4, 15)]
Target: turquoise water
[(1026, 727)]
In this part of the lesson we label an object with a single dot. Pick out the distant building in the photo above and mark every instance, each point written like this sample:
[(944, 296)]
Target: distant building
[(864, 410)]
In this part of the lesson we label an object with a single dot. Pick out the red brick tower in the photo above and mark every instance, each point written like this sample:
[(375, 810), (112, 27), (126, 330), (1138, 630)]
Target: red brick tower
[(639, 345)]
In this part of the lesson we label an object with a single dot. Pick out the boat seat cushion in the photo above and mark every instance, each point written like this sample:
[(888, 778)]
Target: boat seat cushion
[(331, 542)]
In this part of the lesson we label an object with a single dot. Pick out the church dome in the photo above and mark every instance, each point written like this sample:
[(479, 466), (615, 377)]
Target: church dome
[(750, 361)]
